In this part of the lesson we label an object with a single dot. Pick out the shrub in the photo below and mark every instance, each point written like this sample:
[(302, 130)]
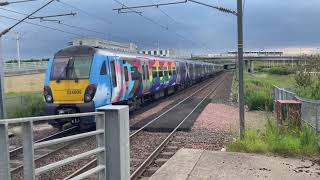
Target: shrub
[(251, 143), (303, 79), (281, 70), (33, 106), (258, 95), (310, 92), (279, 140)]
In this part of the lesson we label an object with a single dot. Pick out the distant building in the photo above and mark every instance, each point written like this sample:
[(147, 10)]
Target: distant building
[(104, 44), (257, 53), (159, 52)]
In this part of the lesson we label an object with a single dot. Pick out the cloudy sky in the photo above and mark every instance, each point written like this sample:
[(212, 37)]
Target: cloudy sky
[(268, 24)]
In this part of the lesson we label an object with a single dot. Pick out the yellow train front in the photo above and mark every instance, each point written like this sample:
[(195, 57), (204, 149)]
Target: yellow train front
[(82, 78)]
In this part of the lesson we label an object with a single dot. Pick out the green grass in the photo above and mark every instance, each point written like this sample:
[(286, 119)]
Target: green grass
[(258, 89), (11, 94), (272, 79), (24, 104), (279, 140)]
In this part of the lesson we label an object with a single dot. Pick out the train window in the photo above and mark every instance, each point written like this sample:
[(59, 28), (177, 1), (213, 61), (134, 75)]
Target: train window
[(143, 72), (135, 74), (103, 70), (160, 73), (113, 74), (126, 76), (147, 71), (166, 73), (174, 72), (154, 72)]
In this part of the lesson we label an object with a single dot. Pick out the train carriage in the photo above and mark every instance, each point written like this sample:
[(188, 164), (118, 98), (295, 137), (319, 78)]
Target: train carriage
[(82, 78)]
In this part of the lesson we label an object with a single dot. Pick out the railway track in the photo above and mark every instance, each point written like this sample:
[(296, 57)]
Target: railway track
[(16, 158), (203, 93)]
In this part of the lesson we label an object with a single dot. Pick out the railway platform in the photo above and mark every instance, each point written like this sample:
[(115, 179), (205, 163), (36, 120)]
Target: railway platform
[(195, 164)]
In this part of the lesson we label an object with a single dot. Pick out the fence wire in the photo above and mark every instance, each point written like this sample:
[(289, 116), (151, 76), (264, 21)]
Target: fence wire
[(310, 109)]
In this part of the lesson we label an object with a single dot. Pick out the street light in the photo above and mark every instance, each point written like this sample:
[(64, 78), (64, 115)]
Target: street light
[(5, 3)]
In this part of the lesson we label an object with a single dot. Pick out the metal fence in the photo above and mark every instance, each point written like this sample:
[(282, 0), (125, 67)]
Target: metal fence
[(112, 149), (310, 109), (14, 102), (24, 68)]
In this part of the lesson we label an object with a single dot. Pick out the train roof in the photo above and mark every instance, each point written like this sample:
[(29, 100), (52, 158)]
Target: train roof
[(89, 50)]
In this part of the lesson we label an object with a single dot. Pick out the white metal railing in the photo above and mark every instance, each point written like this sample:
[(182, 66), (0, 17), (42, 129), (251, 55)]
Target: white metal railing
[(310, 109), (25, 67), (117, 122)]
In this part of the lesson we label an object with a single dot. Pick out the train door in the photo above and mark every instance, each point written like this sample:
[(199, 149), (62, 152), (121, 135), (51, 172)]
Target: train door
[(145, 75), (178, 76), (103, 92), (116, 81)]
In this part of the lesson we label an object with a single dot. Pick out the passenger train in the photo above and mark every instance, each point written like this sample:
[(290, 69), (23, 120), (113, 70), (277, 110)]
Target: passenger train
[(82, 78)]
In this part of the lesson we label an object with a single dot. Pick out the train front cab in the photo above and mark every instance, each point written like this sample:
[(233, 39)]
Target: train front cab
[(77, 81)]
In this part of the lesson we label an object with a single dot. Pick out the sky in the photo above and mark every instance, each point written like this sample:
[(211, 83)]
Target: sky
[(268, 24)]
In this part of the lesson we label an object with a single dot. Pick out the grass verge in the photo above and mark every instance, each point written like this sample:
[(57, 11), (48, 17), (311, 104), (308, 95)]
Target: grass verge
[(286, 141)]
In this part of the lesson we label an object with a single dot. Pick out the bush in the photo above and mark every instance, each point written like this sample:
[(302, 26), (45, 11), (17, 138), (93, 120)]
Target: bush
[(310, 92), (281, 70), (279, 140), (303, 79), (259, 100), (258, 95), (33, 106)]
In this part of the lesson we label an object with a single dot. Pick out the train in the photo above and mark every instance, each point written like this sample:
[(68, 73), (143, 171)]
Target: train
[(83, 78)]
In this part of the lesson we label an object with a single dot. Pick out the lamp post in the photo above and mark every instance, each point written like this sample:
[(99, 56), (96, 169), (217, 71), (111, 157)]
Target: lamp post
[(2, 97)]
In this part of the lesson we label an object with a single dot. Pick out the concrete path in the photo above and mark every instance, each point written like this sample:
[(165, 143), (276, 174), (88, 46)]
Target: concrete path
[(193, 164)]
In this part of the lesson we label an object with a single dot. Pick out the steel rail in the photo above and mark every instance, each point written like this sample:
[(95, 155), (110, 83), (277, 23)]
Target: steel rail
[(15, 151), (155, 119), (151, 157), (19, 150), (20, 167), (93, 163)]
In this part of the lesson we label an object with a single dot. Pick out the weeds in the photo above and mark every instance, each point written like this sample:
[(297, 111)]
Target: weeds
[(279, 140), (258, 95), (281, 70), (32, 105)]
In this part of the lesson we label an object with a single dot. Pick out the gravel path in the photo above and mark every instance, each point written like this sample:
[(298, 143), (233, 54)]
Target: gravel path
[(214, 127)]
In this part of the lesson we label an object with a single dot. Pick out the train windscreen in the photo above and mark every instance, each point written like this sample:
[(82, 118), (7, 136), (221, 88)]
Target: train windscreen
[(71, 68)]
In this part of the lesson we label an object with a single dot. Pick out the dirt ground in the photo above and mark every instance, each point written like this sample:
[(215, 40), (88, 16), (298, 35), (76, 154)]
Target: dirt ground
[(24, 83)]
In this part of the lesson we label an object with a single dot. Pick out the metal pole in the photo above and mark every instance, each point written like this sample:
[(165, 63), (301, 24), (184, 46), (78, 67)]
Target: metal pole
[(2, 96), (18, 48), (240, 59)]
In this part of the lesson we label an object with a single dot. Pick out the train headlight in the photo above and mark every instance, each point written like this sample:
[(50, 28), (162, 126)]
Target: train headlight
[(90, 92), (48, 98), (87, 98), (47, 94)]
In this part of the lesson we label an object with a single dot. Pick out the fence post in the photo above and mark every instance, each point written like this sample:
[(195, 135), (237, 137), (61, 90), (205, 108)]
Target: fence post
[(274, 97), (4, 153), (101, 157), (281, 93), (317, 118), (117, 142), (28, 151)]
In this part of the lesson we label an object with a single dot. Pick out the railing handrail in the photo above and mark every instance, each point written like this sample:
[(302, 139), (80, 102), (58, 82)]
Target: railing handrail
[(112, 135), (46, 118), (298, 97)]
